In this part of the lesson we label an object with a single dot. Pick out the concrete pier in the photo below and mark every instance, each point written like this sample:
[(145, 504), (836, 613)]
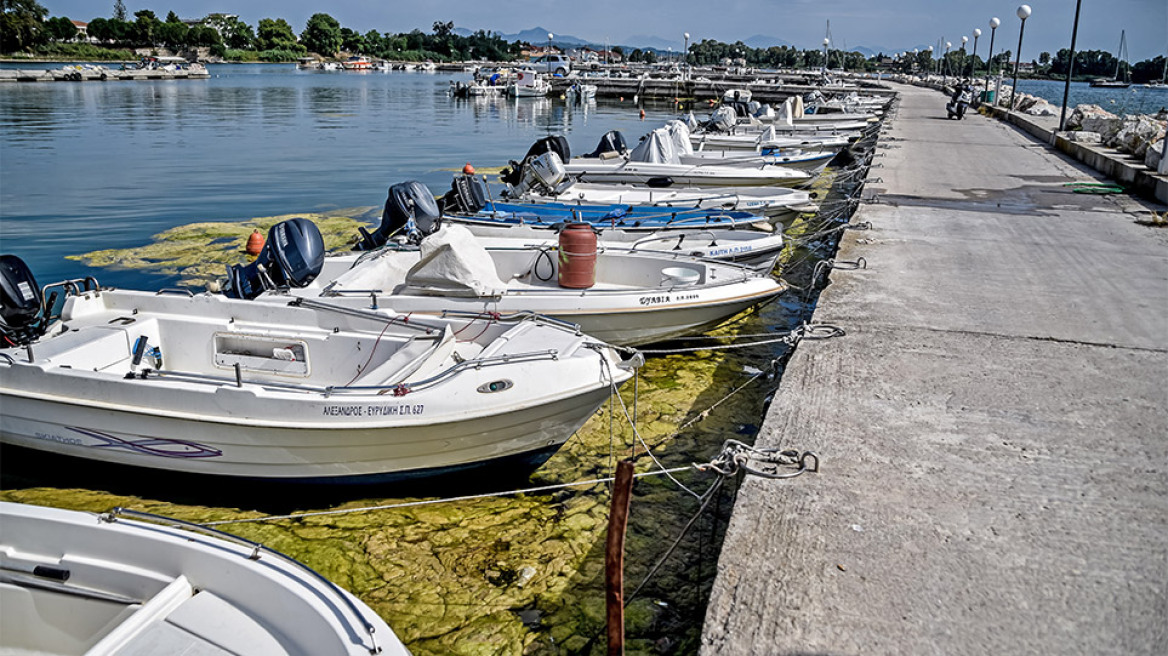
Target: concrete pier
[(993, 427)]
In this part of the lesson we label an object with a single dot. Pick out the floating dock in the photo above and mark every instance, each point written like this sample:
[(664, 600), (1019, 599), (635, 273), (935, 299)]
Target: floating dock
[(991, 427), (95, 75)]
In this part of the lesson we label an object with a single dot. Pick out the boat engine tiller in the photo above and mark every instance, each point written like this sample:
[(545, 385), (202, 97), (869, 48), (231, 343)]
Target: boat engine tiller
[(409, 210), (292, 257), (22, 306)]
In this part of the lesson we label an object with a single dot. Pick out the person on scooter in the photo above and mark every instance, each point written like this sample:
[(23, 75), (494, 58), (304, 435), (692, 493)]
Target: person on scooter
[(962, 96)]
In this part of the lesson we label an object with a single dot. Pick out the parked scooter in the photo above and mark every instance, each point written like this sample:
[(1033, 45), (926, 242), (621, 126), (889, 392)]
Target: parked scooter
[(962, 97)]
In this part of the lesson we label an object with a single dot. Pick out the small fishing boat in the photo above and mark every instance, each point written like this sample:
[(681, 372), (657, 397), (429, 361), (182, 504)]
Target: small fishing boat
[(655, 159), (542, 179), (357, 63), (1120, 81), (580, 92), (294, 390), (632, 296), (126, 582), (528, 84), (812, 161)]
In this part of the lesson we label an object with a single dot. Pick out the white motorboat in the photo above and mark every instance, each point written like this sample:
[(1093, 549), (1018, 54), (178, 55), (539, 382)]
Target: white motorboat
[(580, 92), (768, 140), (636, 297), (756, 249), (132, 583), (655, 159), (542, 179), (528, 84), (812, 161), (298, 391)]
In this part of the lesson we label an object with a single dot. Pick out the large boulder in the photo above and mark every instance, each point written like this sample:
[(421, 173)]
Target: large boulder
[(1080, 136), (1107, 126), (1152, 156), (1083, 112), (1041, 107), (1137, 133)]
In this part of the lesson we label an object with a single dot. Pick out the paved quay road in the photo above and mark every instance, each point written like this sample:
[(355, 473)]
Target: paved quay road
[(993, 426)]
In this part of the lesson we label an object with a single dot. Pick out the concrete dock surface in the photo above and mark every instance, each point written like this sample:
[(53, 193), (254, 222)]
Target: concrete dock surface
[(993, 427)]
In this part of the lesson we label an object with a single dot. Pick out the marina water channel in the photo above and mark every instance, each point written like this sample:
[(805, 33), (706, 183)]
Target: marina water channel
[(93, 166)]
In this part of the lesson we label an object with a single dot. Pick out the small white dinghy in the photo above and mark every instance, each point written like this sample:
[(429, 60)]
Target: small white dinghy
[(79, 583), (655, 158), (636, 297), (294, 391), (542, 178)]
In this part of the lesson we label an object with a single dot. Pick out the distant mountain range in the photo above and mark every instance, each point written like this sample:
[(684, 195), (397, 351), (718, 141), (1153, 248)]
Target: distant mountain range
[(538, 35)]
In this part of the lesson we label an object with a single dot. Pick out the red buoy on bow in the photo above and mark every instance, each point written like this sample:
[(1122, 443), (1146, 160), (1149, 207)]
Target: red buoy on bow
[(255, 243)]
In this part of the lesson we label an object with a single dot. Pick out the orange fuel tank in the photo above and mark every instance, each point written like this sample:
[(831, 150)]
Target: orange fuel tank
[(577, 256)]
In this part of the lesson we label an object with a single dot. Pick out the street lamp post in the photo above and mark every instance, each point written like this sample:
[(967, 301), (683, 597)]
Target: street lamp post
[(945, 66), (826, 42), (930, 69), (994, 23), (1070, 68), (916, 61), (685, 59), (1023, 13), (973, 59), (548, 54), (961, 69)]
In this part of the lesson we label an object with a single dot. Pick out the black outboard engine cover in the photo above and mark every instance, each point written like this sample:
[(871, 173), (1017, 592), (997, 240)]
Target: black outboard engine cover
[(409, 207), (22, 307), (612, 142), (292, 257), (468, 194), (553, 144)]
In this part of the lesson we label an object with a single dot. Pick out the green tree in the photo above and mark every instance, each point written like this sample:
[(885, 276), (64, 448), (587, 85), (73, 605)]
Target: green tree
[(443, 30), (145, 26), (276, 34), (203, 36), (234, 32), (119, 10), (21, 24), (172, 35), (60, 29), (322, 34)]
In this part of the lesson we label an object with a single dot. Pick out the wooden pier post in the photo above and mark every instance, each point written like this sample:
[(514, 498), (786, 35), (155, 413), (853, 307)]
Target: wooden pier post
[(614, 557)]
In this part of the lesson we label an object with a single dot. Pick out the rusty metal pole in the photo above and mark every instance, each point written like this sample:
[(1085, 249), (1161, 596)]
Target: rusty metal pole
[(614, 557)]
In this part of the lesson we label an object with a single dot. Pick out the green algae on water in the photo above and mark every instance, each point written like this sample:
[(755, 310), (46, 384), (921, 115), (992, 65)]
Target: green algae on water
[(198, 253)]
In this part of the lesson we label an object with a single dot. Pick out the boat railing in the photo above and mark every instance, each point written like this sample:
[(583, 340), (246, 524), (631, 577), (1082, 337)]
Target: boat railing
[(256, 547), (398, 389), (72, 287)]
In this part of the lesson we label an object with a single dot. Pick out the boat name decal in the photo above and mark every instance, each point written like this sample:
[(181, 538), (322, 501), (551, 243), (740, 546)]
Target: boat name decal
[(394, 410), (665, 298), (728, 251), (150, 446)]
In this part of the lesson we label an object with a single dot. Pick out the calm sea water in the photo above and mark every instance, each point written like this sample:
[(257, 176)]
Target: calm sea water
[(1136, 99), (94, 165)]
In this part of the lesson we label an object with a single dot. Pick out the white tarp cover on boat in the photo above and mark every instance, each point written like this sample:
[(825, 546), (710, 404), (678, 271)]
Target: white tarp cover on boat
[(657, 148), (384, 273), (723, 119), (691, 121), (765, 113), (454, 263), (768, 134), (785, 114), (679, 135)]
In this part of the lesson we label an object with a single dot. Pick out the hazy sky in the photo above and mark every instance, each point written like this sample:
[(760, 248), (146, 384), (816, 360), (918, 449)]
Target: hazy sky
[(892, 25)]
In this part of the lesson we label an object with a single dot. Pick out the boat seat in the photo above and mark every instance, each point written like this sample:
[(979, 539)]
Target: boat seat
[(411, 361)]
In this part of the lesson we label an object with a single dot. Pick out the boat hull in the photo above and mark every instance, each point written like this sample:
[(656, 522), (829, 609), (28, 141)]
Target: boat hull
[(324, 443)]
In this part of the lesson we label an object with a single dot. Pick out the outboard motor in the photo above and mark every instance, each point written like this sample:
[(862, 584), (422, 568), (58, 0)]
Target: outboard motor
[(545, 172), (22, 307), (553, 144), (611, 144), (410, 209), (468, 194), (292, 257)]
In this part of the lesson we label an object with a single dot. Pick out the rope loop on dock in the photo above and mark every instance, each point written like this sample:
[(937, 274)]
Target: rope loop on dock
[(766, 463)]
